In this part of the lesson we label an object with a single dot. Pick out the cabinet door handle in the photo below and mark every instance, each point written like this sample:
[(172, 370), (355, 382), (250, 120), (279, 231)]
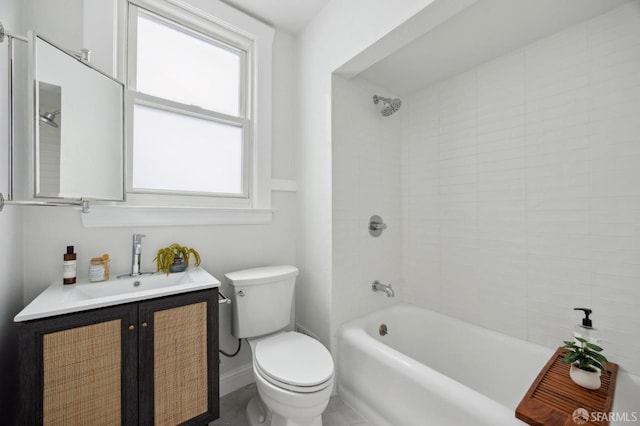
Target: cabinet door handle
[(132, 327), (144, 324)]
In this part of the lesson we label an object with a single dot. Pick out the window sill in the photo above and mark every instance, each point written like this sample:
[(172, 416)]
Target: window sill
[(104, 216)]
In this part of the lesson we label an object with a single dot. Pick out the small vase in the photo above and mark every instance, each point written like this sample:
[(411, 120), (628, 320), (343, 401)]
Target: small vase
[(178, 265), (586, 379)]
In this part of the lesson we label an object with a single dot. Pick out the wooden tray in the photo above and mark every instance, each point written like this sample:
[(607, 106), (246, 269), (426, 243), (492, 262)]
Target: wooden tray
[(553, 397)]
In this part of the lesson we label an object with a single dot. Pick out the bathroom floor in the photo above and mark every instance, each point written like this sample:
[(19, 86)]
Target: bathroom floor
[(232, 406)]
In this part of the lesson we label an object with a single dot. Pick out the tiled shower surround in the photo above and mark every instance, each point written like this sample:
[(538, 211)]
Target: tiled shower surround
[(521, 188), (512, 191)]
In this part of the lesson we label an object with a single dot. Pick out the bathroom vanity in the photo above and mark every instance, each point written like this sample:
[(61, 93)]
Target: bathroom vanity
[(152, 360)]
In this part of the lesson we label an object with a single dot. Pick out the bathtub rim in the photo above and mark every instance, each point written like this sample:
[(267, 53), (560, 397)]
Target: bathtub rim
[(627, 387), (475, 402)]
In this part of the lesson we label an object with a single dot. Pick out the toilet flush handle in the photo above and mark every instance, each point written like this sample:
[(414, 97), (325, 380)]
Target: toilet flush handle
[(240, 293)]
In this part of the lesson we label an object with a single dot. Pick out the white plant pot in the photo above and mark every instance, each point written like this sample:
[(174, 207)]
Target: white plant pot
[(586, 379)]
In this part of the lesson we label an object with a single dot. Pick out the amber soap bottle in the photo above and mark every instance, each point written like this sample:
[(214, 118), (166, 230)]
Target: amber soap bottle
[(69, 267)]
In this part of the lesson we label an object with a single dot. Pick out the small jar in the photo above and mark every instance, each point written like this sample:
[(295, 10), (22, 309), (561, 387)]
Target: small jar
[(99, 269)]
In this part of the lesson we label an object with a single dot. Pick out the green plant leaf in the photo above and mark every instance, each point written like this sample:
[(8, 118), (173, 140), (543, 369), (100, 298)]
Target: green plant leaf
[(598, 357), (582, 341), (593, 347), (570, 357), (167, 255)]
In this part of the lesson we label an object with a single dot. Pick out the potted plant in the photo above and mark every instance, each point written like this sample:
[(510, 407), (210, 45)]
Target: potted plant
[(586, 362), (175, 258)]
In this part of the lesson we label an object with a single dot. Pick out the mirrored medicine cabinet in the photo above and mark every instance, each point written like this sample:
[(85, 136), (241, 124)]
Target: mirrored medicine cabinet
[(74, 136)]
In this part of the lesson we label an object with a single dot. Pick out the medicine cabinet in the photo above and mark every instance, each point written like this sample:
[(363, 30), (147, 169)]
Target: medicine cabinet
[(72, 143), (77, 127)]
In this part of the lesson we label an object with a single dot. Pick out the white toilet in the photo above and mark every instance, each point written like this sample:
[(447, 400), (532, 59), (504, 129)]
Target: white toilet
[(293, 372)]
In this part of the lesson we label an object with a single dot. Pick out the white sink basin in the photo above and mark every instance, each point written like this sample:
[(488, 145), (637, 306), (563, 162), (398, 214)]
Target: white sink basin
[(60, 299), (147, 282)]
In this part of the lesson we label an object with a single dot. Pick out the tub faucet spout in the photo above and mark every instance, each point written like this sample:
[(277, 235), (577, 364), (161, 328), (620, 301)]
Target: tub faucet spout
[(378, 286)]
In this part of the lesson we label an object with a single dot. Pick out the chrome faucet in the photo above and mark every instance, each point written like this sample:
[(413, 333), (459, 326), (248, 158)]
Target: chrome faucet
[(136, 254), (378, 286)]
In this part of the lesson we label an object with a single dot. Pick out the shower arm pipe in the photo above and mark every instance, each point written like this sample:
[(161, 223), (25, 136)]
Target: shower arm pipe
[(377, 99)]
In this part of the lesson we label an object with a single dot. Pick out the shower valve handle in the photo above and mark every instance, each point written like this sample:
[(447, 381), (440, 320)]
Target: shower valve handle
[(377, 226)]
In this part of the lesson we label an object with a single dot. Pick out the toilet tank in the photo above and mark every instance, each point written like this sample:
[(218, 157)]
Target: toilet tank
[(261, 299)]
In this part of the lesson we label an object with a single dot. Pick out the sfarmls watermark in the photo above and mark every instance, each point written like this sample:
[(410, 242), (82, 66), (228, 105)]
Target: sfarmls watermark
[(581, 416)]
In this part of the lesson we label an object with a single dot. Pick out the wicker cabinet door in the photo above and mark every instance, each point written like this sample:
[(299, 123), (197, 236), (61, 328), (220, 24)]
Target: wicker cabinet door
[(74, 369), (82, 375), (177, 348)]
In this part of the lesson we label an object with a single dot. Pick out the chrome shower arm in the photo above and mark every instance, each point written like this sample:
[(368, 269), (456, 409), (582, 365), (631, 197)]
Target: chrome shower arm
[(390, 105), (377, 99)]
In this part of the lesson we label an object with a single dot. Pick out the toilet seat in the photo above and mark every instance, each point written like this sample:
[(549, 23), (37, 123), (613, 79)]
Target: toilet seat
[(289, 386), (294, 361)]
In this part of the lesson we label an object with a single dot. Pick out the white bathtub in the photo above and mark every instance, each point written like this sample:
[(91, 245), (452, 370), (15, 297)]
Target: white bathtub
[(431, 369)]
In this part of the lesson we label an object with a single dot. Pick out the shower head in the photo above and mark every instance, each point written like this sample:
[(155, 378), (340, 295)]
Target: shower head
[(49, 118), (389, 105)]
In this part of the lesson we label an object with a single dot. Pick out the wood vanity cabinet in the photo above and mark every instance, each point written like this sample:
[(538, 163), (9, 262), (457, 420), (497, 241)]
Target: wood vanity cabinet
[(153, 362)]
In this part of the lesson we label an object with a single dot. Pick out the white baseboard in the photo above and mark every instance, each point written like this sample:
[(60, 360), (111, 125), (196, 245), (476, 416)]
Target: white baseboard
[(235, 379)]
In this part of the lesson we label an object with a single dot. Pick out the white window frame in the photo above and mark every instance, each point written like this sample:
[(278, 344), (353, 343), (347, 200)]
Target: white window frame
[(221, 38), (232, 27)]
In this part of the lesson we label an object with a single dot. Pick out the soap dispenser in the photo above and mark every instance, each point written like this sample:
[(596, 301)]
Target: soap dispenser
[(586, 330)]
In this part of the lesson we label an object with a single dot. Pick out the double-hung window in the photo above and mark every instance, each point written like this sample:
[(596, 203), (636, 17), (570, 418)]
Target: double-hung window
[(189, 108)]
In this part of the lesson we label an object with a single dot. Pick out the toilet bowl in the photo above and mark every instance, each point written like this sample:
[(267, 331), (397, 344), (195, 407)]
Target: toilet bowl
[(294, 376), (294, 373)]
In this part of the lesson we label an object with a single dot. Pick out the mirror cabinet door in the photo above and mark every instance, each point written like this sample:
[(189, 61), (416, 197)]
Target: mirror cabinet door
[(78, 128)]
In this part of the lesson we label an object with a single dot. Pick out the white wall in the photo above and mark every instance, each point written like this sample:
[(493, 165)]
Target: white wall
[(61, 22), (341, 31), (77, 24), (283, 143), (11, 284), (103, 44), (366, 157), (521, 191)]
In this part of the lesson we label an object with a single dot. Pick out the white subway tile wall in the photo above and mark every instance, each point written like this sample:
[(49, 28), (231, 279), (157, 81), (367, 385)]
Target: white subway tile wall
[(366, 151), (521, 189)]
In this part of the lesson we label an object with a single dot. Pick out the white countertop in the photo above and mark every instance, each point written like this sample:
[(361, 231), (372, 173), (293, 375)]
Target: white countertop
[(60, 299)]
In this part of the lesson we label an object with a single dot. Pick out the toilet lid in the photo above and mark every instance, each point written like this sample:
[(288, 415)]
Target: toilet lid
[(294, 359)]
